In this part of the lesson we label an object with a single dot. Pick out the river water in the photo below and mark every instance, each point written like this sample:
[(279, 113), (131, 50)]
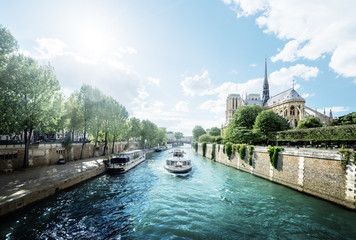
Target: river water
[(212, 202)]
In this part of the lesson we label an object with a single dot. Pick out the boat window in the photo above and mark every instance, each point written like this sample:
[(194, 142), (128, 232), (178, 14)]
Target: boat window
[(120, 160)]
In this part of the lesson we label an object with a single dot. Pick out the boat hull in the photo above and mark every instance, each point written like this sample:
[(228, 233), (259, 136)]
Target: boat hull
[(117, 169), (178, 170)]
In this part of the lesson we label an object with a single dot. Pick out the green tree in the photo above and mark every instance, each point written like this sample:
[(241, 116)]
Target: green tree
[(161, 136), (345, 120), (134, 128), (241, 125), (117, 124), (28, 97), (214, 131), (206, 138), (148, 132), (8, 43), (269, 121), (245, 116), (178, 135), (73, 114), (197, 132), (310, 122)]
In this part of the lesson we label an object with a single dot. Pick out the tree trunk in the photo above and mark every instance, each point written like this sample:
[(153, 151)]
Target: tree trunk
[(106, 143), (28, 135), (96, 143), (113, 144), (81, 152)]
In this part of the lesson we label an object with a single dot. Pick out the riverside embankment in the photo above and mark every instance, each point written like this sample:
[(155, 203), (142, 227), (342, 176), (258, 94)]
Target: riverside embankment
[(24, 187), (315, 172)]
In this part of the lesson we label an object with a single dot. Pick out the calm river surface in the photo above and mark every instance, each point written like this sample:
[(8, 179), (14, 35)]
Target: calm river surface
[(212, 202)]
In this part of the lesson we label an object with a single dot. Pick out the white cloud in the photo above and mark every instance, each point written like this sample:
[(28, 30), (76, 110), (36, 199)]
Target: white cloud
[(307, 95), (233, 71), (142, 94), (354, 81), (218, 105), (182, 106), (155, 81), (197, 85), (50, 47), (253, 65), (282, 79), (312, 28), (334, 110), (128, 50)]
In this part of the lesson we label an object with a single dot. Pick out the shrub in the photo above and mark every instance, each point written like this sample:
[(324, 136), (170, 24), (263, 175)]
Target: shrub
[(335, 133), (273, 155), (345, 156)]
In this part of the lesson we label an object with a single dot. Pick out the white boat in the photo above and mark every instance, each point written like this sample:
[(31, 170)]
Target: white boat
[(123, 162), (176, 162)]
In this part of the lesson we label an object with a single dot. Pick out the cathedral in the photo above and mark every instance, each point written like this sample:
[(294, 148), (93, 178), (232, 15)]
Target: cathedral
[(288, 104)]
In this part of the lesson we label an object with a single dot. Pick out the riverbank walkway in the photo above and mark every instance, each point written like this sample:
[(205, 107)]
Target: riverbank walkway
[(22, 187)]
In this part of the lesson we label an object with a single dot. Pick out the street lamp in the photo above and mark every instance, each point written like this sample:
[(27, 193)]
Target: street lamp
[(277, 140)]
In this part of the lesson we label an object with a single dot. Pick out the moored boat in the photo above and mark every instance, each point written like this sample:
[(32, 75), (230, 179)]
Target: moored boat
[(123, 162), (177, 162)]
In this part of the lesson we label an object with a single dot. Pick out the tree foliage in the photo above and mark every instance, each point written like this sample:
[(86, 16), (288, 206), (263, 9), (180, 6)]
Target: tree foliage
[(269, 121), (332, 133), (197, 132), (345, 120), (310, 122), (240, 129), (178, 135), (245, 116), (214, 131), (29, 98), (206, 138)]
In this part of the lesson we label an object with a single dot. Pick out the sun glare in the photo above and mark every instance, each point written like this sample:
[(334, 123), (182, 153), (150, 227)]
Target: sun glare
[(92, 35)]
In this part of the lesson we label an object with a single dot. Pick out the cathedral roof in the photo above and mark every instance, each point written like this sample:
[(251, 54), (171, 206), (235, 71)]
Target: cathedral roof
[(286, 96)]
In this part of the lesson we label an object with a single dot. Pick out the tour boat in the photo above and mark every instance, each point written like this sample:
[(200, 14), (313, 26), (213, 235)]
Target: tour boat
[(176, 162), (123, 162)]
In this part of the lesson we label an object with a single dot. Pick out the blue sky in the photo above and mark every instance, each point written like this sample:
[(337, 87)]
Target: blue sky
[(175, 61)]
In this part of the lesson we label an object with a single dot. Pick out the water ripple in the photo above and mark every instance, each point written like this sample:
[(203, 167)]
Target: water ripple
[(212, 202)]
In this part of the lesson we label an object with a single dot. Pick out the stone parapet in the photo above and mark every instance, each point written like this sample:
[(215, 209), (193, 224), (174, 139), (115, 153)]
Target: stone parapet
[(312, 171)]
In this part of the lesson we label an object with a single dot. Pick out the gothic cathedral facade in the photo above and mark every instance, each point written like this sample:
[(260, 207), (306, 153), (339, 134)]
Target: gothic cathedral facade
[(288, 104)]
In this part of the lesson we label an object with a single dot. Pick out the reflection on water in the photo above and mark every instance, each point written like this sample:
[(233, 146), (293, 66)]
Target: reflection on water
[(213, 201)]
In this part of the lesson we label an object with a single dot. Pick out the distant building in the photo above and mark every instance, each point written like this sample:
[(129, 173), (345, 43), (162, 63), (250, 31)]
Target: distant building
[(288, 104)]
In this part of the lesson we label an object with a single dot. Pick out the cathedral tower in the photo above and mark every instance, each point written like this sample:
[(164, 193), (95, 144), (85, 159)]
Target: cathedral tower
[(265, 94)]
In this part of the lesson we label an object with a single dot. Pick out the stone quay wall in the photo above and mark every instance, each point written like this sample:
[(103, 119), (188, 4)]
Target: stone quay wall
[(11, 156), (312, 171)]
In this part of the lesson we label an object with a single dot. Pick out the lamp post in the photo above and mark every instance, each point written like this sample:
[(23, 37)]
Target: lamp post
[(277, 140)]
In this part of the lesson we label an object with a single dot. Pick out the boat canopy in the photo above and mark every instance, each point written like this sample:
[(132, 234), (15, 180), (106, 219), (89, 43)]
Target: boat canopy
[(178, 153)]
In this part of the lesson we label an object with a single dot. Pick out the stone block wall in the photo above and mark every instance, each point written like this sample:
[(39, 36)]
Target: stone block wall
[(316, 172), (11, 156)]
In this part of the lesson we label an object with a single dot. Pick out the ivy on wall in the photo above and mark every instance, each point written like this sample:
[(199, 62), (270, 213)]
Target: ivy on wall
[(203, 147), (213, 152), (228, 149), (195, 146), (273, 155), (250, 153), (345, 156), (242, 150)]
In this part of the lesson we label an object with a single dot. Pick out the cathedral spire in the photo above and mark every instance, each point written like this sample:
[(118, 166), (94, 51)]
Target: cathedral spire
[(265, 94)]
